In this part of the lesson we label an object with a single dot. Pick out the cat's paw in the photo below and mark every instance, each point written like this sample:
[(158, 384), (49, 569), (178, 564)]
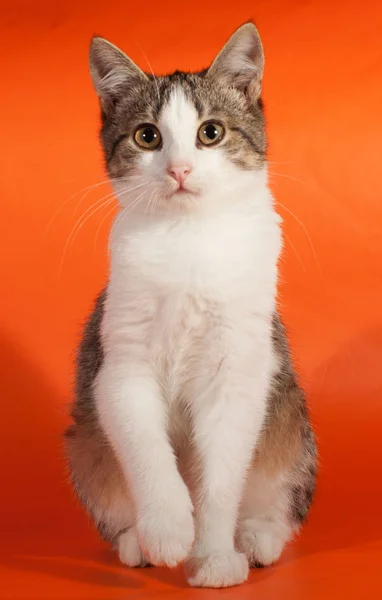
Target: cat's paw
[(262, 548), (217, 570), (129, 550), (167, 532)]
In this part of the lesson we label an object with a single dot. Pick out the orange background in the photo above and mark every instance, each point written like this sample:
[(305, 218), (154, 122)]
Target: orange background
[(323, 97)]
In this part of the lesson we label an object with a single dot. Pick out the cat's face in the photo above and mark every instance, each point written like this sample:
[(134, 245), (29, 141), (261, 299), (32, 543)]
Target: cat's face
[(184, 140)]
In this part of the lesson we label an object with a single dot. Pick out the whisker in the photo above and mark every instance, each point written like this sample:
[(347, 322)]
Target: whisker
[(287, 177), (83, 198), (147, 204), (108, 213), (136, 202), (90, 208), (155, 202), (113, 193), (111, 181), (305, 231), (125, 212), (136, 187), (118, 220), (78, 226), (295, 251), (112, 230), (282, 162), (153, 196), (152, 72), (97, 205), (93, 186)]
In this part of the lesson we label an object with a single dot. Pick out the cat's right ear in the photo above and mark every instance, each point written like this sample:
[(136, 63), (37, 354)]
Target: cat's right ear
[(240, 63), (110, 70)]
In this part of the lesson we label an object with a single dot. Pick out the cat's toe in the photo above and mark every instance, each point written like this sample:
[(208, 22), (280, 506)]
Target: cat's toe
[(217, 570), (261, 548), (167, 537), (130, 553)]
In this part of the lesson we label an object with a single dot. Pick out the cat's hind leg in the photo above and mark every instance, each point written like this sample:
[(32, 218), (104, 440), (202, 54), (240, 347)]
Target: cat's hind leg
[(102, 489), (274, 506), (264, 524)]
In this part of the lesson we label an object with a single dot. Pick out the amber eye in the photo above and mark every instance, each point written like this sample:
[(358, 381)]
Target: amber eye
[(210, 133), (147, 137)]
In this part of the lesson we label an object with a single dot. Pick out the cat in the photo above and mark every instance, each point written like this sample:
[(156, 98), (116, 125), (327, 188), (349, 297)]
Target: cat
[(191, 441)]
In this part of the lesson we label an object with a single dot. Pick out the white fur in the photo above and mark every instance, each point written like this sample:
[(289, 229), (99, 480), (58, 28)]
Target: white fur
[(130, 553), (264, 527), (188, 355)]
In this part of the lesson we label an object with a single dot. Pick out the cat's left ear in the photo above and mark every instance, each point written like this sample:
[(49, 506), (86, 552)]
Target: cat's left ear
[(240, 63)]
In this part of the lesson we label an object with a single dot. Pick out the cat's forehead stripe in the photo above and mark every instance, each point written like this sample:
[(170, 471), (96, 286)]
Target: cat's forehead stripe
[(165, 86), (178, 109), (178, 122)]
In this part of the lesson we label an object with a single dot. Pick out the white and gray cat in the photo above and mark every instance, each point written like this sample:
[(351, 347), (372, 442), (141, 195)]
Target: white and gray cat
[(191, 440)]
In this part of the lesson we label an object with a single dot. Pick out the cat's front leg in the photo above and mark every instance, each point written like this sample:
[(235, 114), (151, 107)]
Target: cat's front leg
[(132, 413), (227, 422)]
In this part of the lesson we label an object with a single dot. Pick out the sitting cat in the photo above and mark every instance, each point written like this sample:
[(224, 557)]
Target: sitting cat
[(191, 440)]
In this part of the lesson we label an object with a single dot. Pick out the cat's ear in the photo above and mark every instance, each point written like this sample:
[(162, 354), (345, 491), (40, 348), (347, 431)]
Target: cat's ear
[(240, 63), (110, 69)]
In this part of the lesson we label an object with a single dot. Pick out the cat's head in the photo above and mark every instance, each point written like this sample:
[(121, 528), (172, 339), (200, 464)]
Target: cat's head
[(183, 140)]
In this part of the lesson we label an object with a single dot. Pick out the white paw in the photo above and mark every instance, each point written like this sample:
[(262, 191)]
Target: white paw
[(166, 532), (217, 570), (262, 548), (130, 553)]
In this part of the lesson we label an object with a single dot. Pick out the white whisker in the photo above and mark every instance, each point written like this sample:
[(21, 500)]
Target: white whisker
[(126, 211), (90, 208), (152, 72), (305, 231), (287, 177), (83, 198), (282, 162), (153, 196), (115, 181), (98, 205), (79, 224), (112, 230), (155, 201), (295, 251), (108, 213), (91, 187)]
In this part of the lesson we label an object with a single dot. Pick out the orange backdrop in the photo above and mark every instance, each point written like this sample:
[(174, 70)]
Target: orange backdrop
[(323, 98)]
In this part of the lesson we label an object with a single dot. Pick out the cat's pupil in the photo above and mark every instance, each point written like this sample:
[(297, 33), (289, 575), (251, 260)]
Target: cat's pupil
[(148, 135), (211, 132)]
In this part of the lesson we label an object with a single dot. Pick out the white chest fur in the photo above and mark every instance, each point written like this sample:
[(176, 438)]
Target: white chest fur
[(227, 257), (173, 283)]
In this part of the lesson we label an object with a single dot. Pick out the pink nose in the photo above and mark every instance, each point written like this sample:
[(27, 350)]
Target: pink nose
[(179, 173)]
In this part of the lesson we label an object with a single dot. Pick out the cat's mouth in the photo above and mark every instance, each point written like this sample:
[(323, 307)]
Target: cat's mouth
[(182, 191)]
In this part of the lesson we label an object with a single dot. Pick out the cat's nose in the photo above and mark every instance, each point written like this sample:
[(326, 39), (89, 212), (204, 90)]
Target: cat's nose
[(179, 173)]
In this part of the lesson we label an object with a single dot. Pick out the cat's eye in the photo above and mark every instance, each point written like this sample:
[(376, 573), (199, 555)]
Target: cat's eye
[(210, 133), (148, 137)]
